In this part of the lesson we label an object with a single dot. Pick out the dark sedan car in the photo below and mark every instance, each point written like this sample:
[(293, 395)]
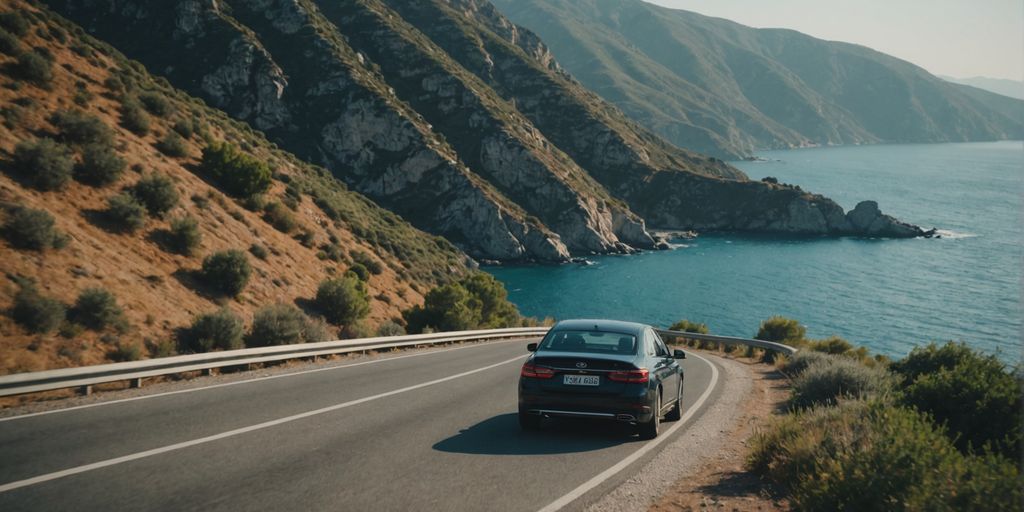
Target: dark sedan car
[(602, 369)]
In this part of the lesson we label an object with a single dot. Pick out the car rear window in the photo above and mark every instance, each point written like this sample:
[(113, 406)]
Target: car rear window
[(590, 341)]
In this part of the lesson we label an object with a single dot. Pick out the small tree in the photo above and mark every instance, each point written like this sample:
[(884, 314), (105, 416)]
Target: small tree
[(26, 228), (100, 165), (45, 164), (36, 313), (227, 271), (97, 309), (184, 236), (126, 213), (221, 330), (237, 173), (343, 300), (157, 192)]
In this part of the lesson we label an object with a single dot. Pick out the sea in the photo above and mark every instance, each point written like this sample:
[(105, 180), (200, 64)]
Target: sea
[(887, 295)]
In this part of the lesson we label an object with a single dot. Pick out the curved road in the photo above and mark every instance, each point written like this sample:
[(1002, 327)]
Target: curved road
[(424, 430)]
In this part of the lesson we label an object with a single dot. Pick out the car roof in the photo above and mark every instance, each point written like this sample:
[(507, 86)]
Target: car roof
[(601, 325)]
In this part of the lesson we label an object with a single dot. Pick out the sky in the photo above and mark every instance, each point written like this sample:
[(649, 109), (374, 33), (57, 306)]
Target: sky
[(958, 38)]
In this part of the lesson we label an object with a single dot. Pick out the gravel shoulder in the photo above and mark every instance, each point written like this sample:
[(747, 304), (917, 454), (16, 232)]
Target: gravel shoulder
[(703, 468)]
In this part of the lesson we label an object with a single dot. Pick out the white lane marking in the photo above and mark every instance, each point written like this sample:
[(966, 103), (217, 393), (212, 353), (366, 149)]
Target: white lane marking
[(652, 444), (247, 381), (238, 431)]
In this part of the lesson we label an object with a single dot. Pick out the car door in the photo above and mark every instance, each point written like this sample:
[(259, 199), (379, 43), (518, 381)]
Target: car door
[(665, 365)]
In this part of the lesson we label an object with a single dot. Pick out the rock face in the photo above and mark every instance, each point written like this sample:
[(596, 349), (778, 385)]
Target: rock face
[(867, 219), (450, 115)]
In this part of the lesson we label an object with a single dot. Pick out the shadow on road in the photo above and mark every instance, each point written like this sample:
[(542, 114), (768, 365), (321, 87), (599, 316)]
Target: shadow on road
[(501, 435)]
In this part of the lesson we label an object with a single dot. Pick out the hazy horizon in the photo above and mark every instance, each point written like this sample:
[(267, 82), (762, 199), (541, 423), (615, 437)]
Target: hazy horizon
[(948, 37)]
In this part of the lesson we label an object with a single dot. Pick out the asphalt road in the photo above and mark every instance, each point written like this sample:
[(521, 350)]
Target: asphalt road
[(430, 430)]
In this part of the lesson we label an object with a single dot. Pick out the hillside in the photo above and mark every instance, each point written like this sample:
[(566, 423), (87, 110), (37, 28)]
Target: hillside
[(114, 137), (447, 114), (1001, 86), (718, 87)]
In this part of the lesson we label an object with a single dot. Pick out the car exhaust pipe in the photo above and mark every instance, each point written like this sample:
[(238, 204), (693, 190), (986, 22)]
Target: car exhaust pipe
[(625, 417)]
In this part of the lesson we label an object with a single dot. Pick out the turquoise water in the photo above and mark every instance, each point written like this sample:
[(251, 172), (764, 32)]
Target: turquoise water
[(888, 295)]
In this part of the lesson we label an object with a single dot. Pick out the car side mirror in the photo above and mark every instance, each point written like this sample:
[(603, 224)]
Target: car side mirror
[(532, 347), (678, 354)]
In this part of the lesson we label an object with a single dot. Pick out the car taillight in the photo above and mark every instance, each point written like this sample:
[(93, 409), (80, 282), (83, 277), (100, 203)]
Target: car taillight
[(533, 371), (639, 376)]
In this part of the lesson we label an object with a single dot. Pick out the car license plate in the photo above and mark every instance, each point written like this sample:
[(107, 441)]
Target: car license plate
[(581, 380)]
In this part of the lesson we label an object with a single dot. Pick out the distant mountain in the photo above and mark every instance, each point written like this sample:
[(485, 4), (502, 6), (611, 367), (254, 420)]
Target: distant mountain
[(1008, 88), (718, 87)]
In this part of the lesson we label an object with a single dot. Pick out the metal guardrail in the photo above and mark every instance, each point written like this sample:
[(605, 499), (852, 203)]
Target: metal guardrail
[(134, 371), (729, 340)]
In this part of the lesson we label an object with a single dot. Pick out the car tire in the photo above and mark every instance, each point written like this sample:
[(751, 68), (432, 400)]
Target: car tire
[(649, 430), (677, 410), (529, 422)]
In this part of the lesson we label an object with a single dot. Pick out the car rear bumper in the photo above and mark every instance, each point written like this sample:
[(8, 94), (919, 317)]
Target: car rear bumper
[(636, 407)]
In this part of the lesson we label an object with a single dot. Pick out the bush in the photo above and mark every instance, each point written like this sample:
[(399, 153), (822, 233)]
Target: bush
[(183, 128), (157, 193), (877, 457), (155, 103), (126, 213), (364, 259), (972, 394), (360, 271), (44, 163), (100, 165), (283, 324), (35, 68), (280, 217), (36, 313), (97, 309), (258, 251), (688, 326), (221, 330), (125, 351), (799, 362), (9, 44), (390, 328), (343, 300), (78, 127), (15, 23), (781, 330), (478, 301), (227, 272), (827, 381), (26, 228), (834, 345), (237, 173), (184, 236), (172, 145), (133, 117)]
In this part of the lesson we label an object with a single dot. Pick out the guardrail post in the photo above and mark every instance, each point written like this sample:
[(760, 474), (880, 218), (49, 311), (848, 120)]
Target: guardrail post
[(206, 372), (85, 390), (136, 383)]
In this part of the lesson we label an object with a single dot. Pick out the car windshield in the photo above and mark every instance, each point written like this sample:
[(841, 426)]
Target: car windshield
[(590, 341)]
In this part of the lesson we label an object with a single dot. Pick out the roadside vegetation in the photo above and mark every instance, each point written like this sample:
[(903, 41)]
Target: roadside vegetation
[(939, 429)]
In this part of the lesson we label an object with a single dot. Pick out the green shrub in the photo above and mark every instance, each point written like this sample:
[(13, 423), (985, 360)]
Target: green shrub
[(15, 23), (258, 251), (834, 345), (184, 236), (125, 351), (34, 68), (688, 326), (364, 259), (133, 117), (781, 330), (26, 228), (495, 309), (877, 457), (9, 44), (100, 165), (827, 381), (390, 328), (237, 173), (115, 85), (44, 163), (280, 217), (172, 145), (360, 271), (973, 394), (221, 330), (161, 348), (283, 324), (35, 312), (227, 272), (478, 301), (97, 309), (125, 213), (157, 193), (155, 103), (184, 128), (343, 300), (78, 127), (799, 362)]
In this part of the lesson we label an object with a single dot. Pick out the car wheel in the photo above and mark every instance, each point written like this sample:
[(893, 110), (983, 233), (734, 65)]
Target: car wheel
[(649, 430), (529, 421), (677, 410)]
